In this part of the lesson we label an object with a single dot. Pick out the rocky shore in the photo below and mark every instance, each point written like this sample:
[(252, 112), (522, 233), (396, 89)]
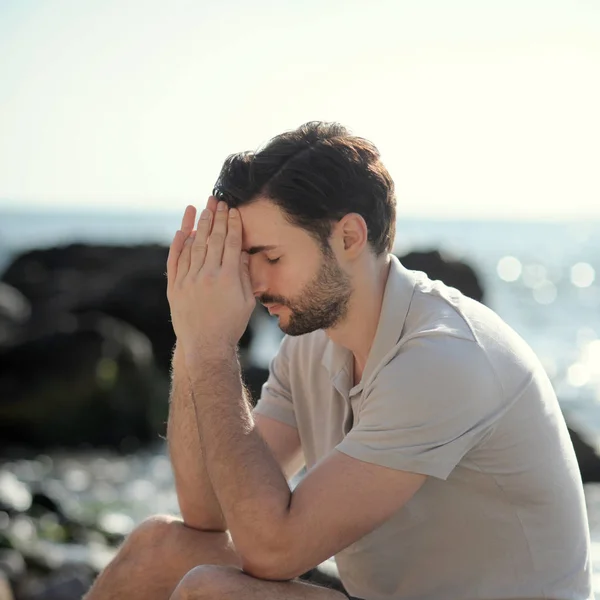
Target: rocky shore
[(62, 518), (85, 346)]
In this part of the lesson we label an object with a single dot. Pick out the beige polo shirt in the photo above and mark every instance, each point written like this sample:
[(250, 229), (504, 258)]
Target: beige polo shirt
[(452, 392)]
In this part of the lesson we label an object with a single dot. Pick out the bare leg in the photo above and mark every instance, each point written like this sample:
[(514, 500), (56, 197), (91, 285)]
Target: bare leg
[(211, 582), (156, 556)]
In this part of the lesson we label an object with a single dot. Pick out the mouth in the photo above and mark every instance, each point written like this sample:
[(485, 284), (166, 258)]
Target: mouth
[(273, 308)]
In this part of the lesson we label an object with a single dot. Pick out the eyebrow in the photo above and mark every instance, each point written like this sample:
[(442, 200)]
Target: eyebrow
[(257, 249)]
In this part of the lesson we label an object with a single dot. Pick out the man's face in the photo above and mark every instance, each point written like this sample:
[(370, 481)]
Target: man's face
[(291, 275)]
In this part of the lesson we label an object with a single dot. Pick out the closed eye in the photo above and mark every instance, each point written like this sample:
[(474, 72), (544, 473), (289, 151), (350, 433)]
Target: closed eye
[(272, 261)]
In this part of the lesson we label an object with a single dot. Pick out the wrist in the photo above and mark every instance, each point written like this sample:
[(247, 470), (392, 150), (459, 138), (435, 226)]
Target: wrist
[(178, 356), (210, 355)]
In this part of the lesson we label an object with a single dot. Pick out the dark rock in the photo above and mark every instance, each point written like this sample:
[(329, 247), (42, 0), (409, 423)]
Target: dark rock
[(54, 522), (82, 380), (14, 313), (61, 280), (587, 457), (12, 564), (42, 502), (125, 282), (70, 582), (452, 272), (44, 553), (139, 298), (326, 574), (69, 379), (5, 541)]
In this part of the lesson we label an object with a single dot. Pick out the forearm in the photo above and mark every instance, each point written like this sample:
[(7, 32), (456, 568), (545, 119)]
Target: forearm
[(197, 501), (248, 482)]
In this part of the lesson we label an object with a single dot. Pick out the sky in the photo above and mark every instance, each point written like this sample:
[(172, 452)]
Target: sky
[(480, 108)]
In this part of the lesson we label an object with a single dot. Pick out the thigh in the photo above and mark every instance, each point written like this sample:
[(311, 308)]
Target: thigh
[(230, 583)]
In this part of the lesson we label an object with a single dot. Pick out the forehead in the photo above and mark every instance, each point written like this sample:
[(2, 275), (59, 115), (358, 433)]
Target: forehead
[(263, 224)]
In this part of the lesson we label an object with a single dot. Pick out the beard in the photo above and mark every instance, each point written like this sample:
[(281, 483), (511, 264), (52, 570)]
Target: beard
[(322, 304)]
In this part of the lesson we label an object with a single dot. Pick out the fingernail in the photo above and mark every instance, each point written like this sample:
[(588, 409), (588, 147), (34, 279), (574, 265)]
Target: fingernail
[(233, 213), (221, 206), (205, 214)]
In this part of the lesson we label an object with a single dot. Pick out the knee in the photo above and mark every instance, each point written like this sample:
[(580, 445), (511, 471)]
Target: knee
[(151, 532), (208, 582)]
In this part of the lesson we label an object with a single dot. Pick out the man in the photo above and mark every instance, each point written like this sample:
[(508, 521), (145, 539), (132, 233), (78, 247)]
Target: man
[(439, 464)]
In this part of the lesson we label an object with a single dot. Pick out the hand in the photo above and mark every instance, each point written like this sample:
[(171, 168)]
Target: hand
[(208, 283)]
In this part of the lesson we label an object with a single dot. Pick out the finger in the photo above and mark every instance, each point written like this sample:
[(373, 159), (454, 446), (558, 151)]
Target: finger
[(200, 243), (212, 204), (173, 257), (245, 275), (233, 242), (189, 218), (214, 253), (185, 258)]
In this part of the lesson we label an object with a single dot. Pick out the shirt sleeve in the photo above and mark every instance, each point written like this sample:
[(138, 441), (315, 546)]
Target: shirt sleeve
[(426, 408), (276, 396)]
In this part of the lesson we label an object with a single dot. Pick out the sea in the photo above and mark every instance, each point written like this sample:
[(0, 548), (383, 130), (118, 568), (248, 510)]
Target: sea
[(542, 278)]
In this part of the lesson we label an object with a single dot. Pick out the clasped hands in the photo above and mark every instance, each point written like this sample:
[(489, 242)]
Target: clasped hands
[(208, 281)]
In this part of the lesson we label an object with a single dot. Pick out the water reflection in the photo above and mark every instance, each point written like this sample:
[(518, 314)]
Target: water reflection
[(582, 275), (509, 268)]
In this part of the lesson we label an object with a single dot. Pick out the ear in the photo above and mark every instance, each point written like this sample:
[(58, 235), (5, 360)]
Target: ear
[(351, 235)]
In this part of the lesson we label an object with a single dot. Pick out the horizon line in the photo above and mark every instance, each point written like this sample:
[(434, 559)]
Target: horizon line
[(8, 207)]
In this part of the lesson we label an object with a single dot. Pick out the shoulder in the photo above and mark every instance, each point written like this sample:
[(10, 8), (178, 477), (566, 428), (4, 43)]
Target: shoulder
[(438, 308), (438, 342), (437, 360), (441, 316)]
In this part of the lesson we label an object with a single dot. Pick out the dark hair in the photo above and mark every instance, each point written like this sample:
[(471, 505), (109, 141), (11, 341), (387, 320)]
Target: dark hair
[(316, 174)]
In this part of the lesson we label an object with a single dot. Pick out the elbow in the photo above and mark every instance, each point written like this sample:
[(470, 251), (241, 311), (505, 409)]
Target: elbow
[(271, 569), (274, 564)]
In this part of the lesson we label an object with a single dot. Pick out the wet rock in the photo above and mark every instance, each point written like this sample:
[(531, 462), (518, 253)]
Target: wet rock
[(587, 456), (125, 282), (44, 552), (81, 380), (139, 298), (15, 497), (70, 582), (67, 278), (69, 378), (14, 313), (326, 574), (42, 502), (12, 564)]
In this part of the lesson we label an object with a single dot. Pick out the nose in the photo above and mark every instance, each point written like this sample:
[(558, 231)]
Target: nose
[(257, 277)]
